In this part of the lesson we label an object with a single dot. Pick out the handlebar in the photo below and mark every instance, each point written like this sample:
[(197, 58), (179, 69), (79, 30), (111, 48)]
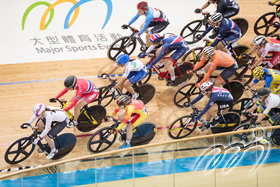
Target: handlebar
[(132, 29), (112, 80)]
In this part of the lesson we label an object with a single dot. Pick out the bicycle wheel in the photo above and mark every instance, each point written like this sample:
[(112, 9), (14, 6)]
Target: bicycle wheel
[(19, 151), (105, 97), (242, 139), (146, 79), (190, 30), (241, 105), (185, 93), (235, 88), (181, 73), (242, 24), (101, 140), (121, 46), (263, 25), (146, 92), (181, 127), (242, 62), (98, 112), (193, 56), (246, 79)]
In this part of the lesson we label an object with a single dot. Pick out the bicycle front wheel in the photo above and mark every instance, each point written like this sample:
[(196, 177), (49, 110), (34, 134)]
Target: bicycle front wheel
[(181, 127), (263, 25), (105, 97), (193, 56), (190, 30)]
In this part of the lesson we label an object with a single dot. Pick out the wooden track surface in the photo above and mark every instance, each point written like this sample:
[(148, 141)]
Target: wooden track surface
[(17, 100)]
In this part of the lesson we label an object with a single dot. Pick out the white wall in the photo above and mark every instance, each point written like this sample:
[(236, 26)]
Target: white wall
[(18, 45)]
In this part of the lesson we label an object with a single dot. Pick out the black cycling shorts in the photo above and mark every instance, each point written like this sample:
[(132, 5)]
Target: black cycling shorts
[(158, 26), (224, 104), (228, 72), (230, 12), (56, 127)]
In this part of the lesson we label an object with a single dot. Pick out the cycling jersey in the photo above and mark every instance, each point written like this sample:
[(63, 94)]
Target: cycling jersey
[(170, 43), (229, 32), (220, 59), (224, 5), (84, 89), (272, 101), (217, 95), (272, 80), (135, 108), (135, 71), (270, 48), (154, 15)]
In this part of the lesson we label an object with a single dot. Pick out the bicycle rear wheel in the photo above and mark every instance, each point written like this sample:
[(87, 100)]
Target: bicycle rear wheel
[(190, 30), (146, 92), (101, 140), (242, 24), (235, 88), (181, 127), (263, 24), (143, 134), (105, 97), (183, 67), (122, 45), (193, 56), (186, 92)]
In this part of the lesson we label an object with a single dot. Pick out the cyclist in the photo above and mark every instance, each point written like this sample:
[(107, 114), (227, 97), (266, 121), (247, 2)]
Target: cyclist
[(219, 99), (135, 71), (154, 18), (272, 110), (217, 59), (263, 46), (133, 108), (46, 117), (86, 92), (169, 43), (228, 33), (271, 78)]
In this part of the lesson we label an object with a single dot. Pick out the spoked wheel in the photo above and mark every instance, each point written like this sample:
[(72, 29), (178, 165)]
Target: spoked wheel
[(19, 151), (182, 127), (191, 30), (105, 97), (97, 112), (147, 78), (235, 88), (241, 105), (193, 56), (101, 140), (187, 92), (242, 24), (242, 139), (121, 46), (146, 92), (263, 25)]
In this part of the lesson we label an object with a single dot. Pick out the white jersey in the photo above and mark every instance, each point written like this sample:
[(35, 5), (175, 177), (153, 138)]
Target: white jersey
[(135, 65), (270, 48), (273, 101), (58, 116)]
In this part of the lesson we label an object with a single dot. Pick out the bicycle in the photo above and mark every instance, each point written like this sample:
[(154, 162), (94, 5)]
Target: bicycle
[(146, 91), (21, 149), (193, 28), (89, 118), (266, 22), (183, 126), (185, 92), (103, 138)]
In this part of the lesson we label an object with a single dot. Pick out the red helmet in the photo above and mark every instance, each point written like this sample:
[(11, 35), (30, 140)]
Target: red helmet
[(143, 5)]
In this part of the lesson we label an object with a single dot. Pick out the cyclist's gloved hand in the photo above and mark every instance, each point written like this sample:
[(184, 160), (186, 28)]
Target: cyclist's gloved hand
[(197, 11), (246, 113), (246, 87), (199, 37), (142, 55), (270, 3), (194, 120), (187, 104), (104, 76), (125, 26), (52, 100), (24, 125), (190, 72), (114, 131), (112, 90), (35, 141), (106, 119), (149, 66), (197, 85)]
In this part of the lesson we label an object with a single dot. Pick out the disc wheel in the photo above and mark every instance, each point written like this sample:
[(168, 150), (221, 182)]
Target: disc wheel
[(19, 151), (235, 88), (187, 92), (191, 30), (181, 127), (263, 25), (105, 97), (146, 92), (121, 46), (101, 140), (242, 24)]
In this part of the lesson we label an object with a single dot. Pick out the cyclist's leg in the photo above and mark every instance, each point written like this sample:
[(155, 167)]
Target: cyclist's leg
[(230, 12), (140, 75), (225, 75), (213, 111), (148, 33), (275, 59), (134, 123), (54, 131), (227, 41)]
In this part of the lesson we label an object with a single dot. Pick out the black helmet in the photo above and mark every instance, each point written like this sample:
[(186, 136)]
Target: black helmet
[(264, 93), (123, 101), (70, 81)]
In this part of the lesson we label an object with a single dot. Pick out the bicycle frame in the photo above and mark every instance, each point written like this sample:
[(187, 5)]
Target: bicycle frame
[(272, 19), (139, 39)]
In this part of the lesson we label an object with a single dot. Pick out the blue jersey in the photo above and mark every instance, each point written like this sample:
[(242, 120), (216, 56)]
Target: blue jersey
[(227, 27), (218, 94), (153, 14), (271, 79)]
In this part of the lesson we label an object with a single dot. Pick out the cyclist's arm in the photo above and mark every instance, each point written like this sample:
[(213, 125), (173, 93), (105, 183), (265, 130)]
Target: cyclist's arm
[(252, 50), (220, 36), (258, 62), (161, 54), (150, 49), (128, 114), (205, 109), (207, 30), (119, 83), (205, 5), (197, 98), (213, 66), (113, 69), (199, 64), (62, 93), (114, 112), (134, 19), (255, 81), (220, 7), (76, 99), (32, 119), (267, 81), (148, 19), (47, 127)]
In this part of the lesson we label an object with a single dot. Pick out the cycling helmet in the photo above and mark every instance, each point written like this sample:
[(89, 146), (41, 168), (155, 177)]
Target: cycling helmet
[(143, 5), (38, 109), (206, 86), (70, 81), (123, 101), (259, 40), (157, 37), (216, 17), (122, 59), (258, 72), (264, 92), (208, 51)]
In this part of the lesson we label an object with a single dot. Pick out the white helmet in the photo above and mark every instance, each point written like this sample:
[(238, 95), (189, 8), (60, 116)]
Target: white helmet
[(208, 51), (259, 40), (38, 109), (206, 86), (216, 17)]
